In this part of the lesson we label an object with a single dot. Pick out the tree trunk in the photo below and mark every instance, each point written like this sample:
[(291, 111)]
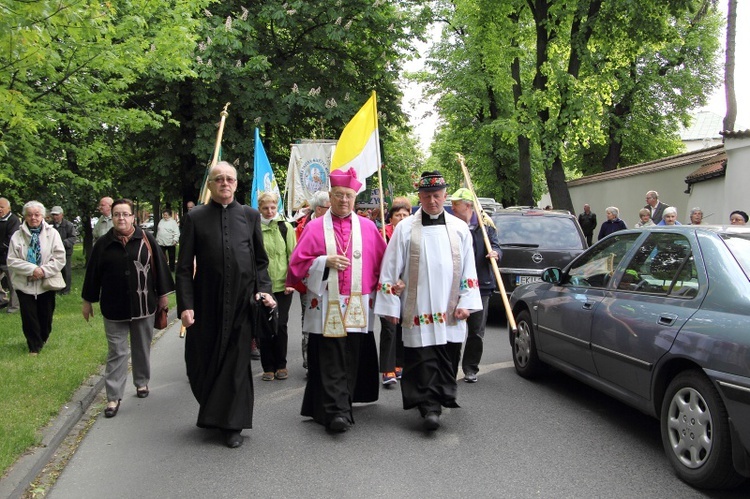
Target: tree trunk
[(558, 189), (525, 181), (731, 115)]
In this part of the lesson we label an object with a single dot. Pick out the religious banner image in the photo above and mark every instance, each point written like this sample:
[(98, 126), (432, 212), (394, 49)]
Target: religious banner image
[(309, 166)]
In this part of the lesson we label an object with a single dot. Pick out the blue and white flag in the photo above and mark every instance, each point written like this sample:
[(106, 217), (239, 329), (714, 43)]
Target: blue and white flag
[(263, 179)]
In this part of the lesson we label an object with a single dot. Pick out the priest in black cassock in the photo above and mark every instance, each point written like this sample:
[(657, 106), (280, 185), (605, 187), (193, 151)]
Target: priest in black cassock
[(222, 267)]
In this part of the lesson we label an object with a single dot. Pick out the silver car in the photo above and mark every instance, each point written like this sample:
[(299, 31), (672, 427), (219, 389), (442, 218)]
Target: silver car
[(658, 318)]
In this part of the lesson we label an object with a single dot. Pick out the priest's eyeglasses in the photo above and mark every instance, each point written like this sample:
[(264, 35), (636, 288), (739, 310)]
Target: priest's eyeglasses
[(342, 196), (222, 179)]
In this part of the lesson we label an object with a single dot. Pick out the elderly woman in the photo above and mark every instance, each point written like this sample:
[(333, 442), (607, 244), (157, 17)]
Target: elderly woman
[(738, 217), (669, 217), (279, 241), (36, 257), (645, 219), (612, 224), (319, 205), (696, 216), (129, 276)]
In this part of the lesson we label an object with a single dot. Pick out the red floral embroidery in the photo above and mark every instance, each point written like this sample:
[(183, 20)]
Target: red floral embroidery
[(314, 303)]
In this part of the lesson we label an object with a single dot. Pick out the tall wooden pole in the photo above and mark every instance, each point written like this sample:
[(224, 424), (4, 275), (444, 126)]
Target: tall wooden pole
[(205, 194), (493, 262)]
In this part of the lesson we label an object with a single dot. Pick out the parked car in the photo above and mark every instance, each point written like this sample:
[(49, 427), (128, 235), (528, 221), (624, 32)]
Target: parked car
[(657, 318), (531, 240), (148, 224)]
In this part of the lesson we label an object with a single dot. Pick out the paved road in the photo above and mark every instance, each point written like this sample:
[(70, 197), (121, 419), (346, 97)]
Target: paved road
[(510, 438)]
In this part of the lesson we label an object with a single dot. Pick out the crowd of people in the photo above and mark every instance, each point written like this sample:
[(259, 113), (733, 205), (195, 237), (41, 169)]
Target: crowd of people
[(428, 277), (654, 213)]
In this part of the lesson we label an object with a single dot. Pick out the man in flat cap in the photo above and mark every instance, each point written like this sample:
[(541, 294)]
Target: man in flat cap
[(338, 259), (428, 281), (69, 235), (462, 202)]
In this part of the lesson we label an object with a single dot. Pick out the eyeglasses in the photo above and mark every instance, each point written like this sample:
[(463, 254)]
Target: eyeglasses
[(341, 196), (221, 180), (121, 215)]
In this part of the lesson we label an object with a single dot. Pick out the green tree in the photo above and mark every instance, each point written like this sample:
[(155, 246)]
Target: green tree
[(584, 84)]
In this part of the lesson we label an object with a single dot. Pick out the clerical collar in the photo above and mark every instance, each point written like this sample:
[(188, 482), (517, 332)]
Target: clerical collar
[(428, 219), (339, 216)]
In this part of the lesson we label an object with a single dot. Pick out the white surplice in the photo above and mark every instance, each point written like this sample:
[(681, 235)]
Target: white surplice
[(429, 325)]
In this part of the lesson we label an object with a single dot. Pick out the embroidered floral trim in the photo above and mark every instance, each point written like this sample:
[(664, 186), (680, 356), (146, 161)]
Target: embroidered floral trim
[(314, 304), (469, 283), (421, 320), (387, 288)]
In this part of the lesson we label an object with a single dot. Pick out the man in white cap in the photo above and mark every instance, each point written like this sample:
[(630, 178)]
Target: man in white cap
[(462, 202), (338, 259), (69, 235), (432, 255)]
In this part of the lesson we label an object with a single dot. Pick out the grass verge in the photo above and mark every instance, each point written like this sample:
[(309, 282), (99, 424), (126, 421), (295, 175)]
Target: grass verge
[(34, 389)]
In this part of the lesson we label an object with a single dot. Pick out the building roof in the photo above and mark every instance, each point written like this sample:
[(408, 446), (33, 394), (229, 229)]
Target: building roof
[(700, 156), (705, 125), (738, 134), (715, 167)]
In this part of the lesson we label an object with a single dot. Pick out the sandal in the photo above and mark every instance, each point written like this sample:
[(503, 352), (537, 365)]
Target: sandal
[(267, 376), (141, 392), (282, 374)]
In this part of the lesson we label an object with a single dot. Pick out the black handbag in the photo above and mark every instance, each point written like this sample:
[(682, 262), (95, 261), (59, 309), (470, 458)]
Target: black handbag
[(266, 321)]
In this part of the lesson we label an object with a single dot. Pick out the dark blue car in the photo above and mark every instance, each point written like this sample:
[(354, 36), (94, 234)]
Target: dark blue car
[(658, 318)]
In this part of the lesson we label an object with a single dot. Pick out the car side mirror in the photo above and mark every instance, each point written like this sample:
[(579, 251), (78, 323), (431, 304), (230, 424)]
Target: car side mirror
[(552, 275)]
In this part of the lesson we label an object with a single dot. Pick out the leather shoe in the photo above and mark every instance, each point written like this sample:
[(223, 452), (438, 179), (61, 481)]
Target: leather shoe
[(233, 438), (141, 392), (111, 412), (339, 424), (431, 421)]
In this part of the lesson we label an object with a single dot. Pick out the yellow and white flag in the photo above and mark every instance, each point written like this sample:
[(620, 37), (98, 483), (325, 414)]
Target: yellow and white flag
[(359, 147)]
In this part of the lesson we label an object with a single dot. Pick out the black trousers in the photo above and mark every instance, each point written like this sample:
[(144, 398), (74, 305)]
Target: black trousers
[(36, 318), (429, 378), (391, 346), (169, 254), (67, 273), (475, 324), (273, 351)]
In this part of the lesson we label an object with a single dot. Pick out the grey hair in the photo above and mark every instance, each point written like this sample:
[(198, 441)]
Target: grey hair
[(34, 204), (653, 194), (695, 210), (225, 164), (614, 210), (319, 199), (670, 211)]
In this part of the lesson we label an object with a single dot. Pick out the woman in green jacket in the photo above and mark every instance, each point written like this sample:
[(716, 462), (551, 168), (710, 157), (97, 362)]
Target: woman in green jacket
[(279, 240)]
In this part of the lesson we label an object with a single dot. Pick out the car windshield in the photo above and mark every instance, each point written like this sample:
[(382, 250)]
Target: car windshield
[(551, 233), (739, 245)]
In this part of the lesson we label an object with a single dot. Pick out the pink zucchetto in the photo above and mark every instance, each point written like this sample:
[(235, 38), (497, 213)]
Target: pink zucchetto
[(348, 178)]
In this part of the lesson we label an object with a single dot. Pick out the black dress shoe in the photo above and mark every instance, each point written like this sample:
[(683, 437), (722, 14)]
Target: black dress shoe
[(232, 438), (431, 421), (141, 392), (111, 412), (339, 424)]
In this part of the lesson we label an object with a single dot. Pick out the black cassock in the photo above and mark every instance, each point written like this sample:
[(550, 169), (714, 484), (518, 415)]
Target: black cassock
[(231, 265)]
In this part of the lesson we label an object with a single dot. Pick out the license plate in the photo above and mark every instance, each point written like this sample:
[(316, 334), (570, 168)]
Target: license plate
[(527, 279)]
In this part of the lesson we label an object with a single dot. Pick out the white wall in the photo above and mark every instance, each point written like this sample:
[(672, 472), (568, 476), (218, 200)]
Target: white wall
[(629, 194), (737, 178), (709, 197)]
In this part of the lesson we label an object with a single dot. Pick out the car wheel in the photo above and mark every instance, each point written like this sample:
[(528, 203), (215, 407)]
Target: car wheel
[(695, 432), (525, 358)]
